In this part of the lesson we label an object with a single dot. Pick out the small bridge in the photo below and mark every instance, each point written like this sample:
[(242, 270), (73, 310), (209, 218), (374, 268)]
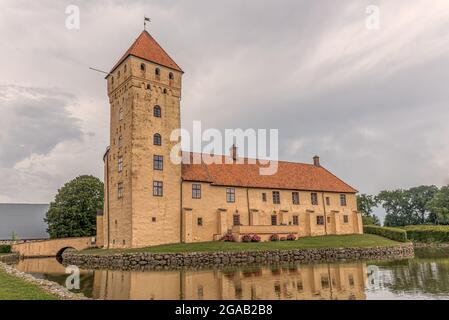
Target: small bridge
[(53, 247)]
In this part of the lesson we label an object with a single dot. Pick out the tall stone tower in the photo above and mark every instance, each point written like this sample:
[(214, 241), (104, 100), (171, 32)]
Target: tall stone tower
[(142, 186)]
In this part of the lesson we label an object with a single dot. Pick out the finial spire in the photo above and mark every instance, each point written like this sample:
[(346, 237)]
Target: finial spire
[(145, 19)]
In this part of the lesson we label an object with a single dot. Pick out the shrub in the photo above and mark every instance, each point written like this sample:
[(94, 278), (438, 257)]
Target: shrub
[(428, 233), (283, 239), (5, 248), (228, 237), (274, 237), (255, 238), (246, 238), (390, 233), (291, 237)]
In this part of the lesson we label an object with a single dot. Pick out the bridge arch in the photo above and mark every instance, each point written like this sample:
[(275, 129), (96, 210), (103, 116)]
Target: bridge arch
[(53, 247)]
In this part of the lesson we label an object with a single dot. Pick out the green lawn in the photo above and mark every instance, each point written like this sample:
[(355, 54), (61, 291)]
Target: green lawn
[(347, 241), (12, 288)]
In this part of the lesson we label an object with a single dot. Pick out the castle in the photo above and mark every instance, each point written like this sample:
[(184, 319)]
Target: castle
[(149, 200)]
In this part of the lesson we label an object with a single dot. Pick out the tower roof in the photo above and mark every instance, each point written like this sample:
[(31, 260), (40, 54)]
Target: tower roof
[(147, 48)]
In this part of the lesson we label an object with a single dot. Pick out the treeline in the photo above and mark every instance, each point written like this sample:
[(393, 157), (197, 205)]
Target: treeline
[(415, 206)]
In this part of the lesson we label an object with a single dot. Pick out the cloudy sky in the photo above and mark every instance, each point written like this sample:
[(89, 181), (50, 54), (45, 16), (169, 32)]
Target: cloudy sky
[(374, 104)]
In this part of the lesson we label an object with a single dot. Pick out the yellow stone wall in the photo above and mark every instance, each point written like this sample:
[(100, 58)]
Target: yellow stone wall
[(217, 214)]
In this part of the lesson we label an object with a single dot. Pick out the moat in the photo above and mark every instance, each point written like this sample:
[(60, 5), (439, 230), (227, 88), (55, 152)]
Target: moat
[(424, 277)]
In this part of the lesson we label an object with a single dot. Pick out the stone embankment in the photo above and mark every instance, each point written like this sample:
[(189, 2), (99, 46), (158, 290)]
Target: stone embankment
[(51, 287), (9, 258), (140, 261)]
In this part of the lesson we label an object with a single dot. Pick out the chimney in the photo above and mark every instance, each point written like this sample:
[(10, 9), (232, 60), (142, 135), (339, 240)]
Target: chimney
[(316, 161), (233, 152)]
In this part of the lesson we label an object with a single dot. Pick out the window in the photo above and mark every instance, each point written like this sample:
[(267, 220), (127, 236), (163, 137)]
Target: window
[(142, 67), (274, 220), (171, 76), (200, 222), (120, 164), (120, 115), (264, 197), (346, 219), (157, 112), (157, 139), (153, 219), (328, 220), (295, 197), (230, 195), (314, 199), (328, 201), (158, 188), (276, 197), (320, 220), (158, 162), (236, 220), (157, 72), (120, 141), (120, 190), (165, 91), (343, 200), (148, 87), (296, 220), (196, 191)]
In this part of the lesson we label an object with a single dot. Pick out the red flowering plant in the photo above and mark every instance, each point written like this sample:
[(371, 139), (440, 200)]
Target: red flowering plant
[(274, 237), (291, 237), (246, 238), (255, 238), (228, 237)]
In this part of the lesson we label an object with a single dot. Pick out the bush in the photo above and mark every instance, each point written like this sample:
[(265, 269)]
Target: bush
[(255, 238), (5, 248), (390, 233), (283, 239), (246, 238), (291, 237), (228, 237), (428, 233), (274, 237)]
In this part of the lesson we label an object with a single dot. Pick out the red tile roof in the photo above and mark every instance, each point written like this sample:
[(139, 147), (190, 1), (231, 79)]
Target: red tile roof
[(147, 48), (289, 176)]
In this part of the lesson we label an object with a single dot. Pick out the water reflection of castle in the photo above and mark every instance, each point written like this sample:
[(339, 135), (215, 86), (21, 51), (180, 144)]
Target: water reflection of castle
[(304, 282), (341, 282)]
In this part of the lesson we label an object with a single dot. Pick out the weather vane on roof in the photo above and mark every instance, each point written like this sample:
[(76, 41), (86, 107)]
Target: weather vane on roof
[(145, 20)]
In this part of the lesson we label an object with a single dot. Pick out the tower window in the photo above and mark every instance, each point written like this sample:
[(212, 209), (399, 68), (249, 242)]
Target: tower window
[(314, 199), (165, 91), (158, 163), (120, 141), (158, 188), (120, 114), (157, 112), (120, 190), (157, 72), (200, 222), (153, 219), (148, 87), (230, 195), (120, 164), (264, 197), (276, 197), (142, 67), (171, 76), (196, 191), (157, 139)]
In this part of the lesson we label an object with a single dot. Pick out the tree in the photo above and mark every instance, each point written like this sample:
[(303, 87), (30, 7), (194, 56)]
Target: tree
[(419, 199), (365, 205), (439, 207), (73, 212)]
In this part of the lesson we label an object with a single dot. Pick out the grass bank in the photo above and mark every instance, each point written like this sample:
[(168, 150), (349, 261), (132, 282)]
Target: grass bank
[(346, 241), (13, 288)]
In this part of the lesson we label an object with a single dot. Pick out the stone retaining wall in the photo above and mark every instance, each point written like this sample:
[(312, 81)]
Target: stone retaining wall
[(141, 261)]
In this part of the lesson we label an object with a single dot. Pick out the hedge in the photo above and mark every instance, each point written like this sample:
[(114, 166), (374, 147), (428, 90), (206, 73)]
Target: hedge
[(428, 233), (390, 233), (5, 248)]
